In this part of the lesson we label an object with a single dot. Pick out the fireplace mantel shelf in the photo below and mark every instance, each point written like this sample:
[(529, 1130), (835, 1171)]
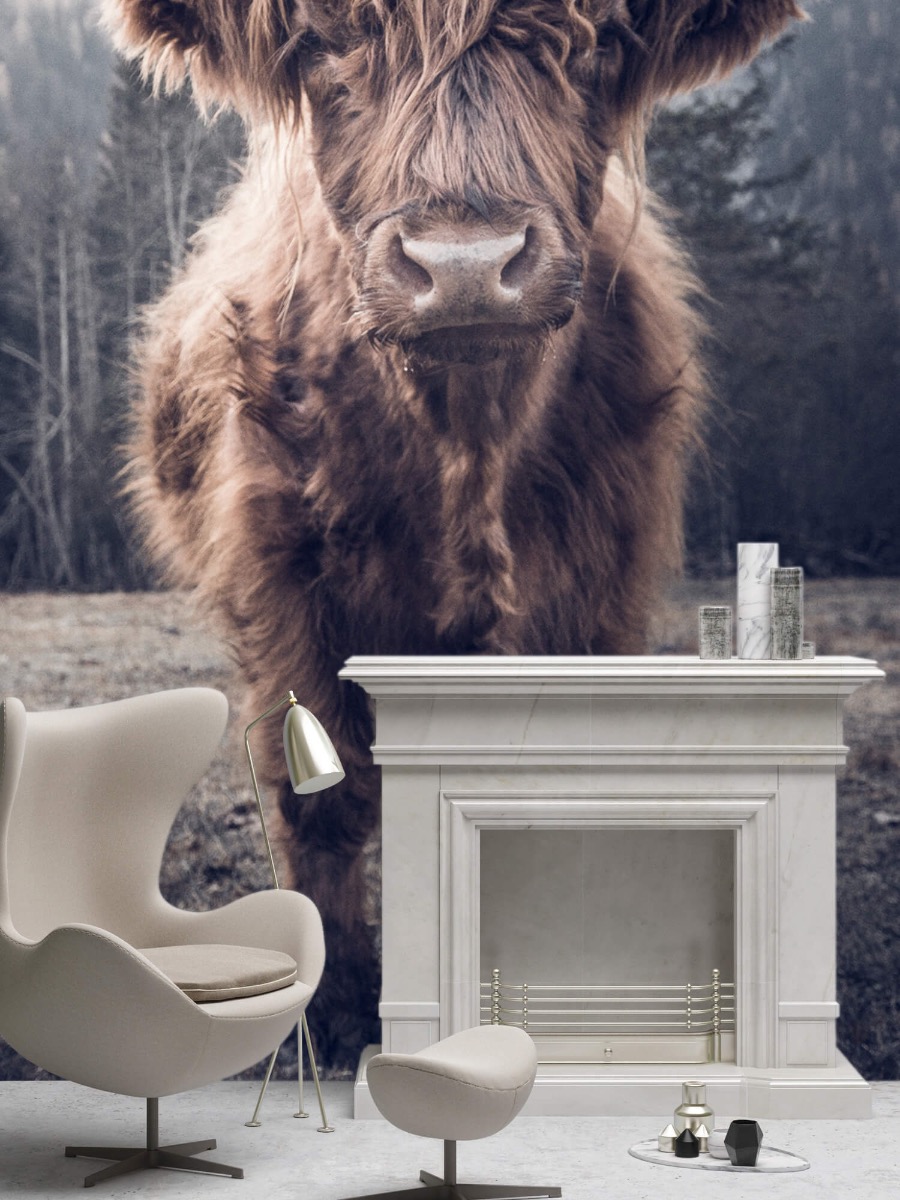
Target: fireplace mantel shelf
[(467, 675), (587, 711)]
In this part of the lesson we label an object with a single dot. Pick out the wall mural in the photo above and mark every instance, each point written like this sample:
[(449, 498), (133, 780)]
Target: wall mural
[(431, 377)]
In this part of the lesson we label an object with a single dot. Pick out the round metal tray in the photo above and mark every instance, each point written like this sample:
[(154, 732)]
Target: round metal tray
[(770, 1159)]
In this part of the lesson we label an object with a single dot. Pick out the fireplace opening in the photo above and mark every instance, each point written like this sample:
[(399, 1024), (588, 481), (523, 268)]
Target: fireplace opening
[(611, 945)]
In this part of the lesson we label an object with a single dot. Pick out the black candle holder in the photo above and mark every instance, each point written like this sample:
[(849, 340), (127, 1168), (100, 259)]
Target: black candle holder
[(687, 1145), (742, 1141)]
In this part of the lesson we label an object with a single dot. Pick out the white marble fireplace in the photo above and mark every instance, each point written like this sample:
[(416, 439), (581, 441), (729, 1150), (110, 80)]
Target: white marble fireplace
[(647, 843)]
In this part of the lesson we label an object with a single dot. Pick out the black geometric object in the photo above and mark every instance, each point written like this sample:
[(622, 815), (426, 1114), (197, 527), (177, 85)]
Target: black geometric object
[(742, 1141), (686, 1145)]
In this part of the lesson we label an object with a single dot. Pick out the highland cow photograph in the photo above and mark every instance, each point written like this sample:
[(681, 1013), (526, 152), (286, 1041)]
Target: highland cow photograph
[(450, 587)]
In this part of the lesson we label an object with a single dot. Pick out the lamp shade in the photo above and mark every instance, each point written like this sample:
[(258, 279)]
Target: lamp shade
[(312, 761)]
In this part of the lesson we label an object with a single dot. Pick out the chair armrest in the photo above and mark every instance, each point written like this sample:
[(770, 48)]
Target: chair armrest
[(84, 1004), (275, 920)]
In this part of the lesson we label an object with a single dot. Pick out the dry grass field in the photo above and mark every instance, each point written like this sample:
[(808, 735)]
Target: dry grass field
[(62, 650)]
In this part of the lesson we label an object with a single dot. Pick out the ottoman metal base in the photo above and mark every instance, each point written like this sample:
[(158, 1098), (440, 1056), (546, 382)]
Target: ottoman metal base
[(449, 1188)]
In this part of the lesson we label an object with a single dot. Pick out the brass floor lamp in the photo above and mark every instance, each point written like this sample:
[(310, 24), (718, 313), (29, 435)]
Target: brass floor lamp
[(313, 765)]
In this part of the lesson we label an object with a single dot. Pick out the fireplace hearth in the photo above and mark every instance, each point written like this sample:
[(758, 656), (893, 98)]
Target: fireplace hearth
[(633, 858)]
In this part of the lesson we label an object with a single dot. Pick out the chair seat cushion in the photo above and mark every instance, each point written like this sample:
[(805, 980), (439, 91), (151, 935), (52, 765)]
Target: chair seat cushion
[(211, 972)]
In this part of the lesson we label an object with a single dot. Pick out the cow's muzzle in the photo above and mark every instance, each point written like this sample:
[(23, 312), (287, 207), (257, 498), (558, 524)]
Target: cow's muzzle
[(423, 275)]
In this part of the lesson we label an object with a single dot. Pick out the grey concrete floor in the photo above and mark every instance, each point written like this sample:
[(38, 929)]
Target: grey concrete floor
[(287, 1159)]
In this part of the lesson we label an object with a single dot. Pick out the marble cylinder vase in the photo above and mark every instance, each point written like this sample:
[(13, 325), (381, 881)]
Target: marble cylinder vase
[(787, 612), (754, 624), (755, 562)]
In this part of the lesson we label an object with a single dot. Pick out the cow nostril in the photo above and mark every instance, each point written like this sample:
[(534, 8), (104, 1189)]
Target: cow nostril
[(517, 269), (405, 270)]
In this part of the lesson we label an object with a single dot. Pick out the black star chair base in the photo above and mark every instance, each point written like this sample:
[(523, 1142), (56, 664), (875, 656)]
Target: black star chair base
[(177, 1158)]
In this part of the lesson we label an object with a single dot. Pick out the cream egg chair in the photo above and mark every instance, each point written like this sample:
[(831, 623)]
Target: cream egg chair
[(97, 970)]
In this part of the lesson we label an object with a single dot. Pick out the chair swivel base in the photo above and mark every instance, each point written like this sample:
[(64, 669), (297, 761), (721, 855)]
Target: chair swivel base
[(437, 1189), (449, 1188), (127, 1159), (177, 1157)]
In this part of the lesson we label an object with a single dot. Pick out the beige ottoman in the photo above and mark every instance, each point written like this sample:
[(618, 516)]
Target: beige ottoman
[(467, 1086)]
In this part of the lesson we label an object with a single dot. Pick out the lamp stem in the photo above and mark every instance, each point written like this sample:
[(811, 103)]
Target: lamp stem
[(290, 698), (254, 1121)]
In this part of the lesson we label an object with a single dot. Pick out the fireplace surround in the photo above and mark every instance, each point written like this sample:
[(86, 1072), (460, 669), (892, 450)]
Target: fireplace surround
[(609, 831)]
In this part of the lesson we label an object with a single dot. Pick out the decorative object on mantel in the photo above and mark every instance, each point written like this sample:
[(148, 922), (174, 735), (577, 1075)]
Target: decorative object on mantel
[(715, 1143), (771, 1160), (742, 1141), (686, 1145), (715, 631), (754, 627), (807, 649), (787, 612), (666, 1140), (701, 1133), (693, 1111), (313, 765)]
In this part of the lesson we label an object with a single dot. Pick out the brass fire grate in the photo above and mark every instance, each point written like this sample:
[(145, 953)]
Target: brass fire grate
[(620, 1020)]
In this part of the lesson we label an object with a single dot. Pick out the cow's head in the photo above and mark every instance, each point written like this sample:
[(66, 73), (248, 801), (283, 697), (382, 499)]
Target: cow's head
[(460, 145)]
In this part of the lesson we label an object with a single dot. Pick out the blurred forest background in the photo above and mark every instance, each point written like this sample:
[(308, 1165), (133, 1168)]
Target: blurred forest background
[(785, 185)]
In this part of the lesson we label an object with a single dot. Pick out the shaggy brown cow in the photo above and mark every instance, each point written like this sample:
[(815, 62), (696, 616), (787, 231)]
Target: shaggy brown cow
[(427, 383)]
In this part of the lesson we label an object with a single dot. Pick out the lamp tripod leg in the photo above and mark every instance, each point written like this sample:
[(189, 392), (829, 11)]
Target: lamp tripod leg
[(324, 1127), (254, 1122), (301, 1111)]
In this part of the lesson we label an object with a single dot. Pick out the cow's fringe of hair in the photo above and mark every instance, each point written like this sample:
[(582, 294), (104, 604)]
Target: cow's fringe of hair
[(411, 25), (435, 37)]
